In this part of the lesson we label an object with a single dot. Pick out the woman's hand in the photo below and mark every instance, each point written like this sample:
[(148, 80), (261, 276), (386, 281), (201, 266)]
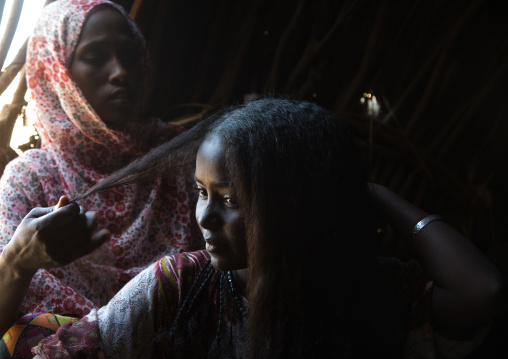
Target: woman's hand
[(53, 237), (46, 238)]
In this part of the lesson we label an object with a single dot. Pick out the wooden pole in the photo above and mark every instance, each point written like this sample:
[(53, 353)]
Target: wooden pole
[(8, 117), (136, 6), (10, 112), (2, 5), (12, 70), (12, 24)]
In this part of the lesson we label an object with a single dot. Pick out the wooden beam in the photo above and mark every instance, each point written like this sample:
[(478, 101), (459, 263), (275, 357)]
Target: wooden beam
[(2, 5), (10, 112), (12, 70), (12, 24)]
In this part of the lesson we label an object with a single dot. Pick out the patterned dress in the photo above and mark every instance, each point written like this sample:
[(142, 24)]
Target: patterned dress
[(147, 221), (180, 307)]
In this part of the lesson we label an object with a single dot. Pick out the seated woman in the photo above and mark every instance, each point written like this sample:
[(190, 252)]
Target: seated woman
[(289, 269), (85, 68)]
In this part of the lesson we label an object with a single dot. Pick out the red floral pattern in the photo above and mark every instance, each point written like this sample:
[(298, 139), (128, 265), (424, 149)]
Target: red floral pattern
[(77, 151)]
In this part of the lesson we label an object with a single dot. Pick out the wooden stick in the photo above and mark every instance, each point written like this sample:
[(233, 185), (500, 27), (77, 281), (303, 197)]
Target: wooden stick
[(12, 23), (473, 108), (10, 112), (19, 60), (226, 85), (12, 70), (353, 88), (435, 76), (2, 5), (272, 81), (315, 47), (136, 6), (19, 94)]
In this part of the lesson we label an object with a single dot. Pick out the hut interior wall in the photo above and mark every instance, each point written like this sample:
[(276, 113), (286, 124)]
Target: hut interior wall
[(438, 70)]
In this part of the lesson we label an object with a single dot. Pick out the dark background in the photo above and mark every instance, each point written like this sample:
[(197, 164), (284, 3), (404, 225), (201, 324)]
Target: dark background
[(438, 70)]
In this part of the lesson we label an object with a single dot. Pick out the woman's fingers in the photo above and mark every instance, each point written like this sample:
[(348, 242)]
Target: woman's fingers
[(42, 211), (46, 219), (76, 231), (55, 236), (63, 201), (91, 220), (70, 252), (97, 240)]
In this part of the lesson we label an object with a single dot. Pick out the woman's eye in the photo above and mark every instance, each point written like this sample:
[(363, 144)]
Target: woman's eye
[(202, 192), (231, 201), (93, 59)]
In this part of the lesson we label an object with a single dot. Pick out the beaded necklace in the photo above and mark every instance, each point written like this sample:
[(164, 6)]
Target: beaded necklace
[(236, 299)]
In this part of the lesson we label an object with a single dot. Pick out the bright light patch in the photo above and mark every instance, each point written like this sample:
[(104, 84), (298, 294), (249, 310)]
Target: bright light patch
[(29, 14)]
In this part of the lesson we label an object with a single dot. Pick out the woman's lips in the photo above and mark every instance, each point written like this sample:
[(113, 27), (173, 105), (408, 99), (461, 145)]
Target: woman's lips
[(210, 247), (211, 244), (121, 97)]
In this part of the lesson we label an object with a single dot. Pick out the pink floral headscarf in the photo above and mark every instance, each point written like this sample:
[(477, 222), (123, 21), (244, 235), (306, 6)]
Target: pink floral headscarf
[(147, 221), (69, 127)]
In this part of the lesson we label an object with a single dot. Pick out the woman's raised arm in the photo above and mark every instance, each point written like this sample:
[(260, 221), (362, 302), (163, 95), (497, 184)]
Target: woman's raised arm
[(468, 289), (46, 238)]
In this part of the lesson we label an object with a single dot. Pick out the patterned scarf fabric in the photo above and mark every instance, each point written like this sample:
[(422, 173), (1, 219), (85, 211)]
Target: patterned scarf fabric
[(147, 221)]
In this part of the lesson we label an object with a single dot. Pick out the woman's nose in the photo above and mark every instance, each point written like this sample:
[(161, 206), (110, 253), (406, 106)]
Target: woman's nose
[(208, 216), (118, 73)]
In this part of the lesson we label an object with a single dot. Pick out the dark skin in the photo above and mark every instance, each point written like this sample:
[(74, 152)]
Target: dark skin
[(218, 213), (458, 305), (106, 67), (46, 238)]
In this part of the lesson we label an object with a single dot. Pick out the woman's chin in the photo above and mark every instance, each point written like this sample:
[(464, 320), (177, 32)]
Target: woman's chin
[(218, 264), (120, 120), (223, 265), (118, 124)]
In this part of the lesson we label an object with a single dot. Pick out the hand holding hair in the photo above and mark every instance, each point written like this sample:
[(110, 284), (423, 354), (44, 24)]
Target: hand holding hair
[(46, 238), (53, 237)]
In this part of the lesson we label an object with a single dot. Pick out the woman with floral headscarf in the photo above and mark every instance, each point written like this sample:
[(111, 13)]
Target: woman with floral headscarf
[(85, 63)]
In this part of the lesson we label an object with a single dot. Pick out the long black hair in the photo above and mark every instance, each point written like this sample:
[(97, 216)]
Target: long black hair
[(301, 186)]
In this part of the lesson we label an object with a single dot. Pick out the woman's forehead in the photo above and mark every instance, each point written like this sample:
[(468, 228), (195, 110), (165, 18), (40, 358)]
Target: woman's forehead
[(104, 22), (210, 162), (212, 147)]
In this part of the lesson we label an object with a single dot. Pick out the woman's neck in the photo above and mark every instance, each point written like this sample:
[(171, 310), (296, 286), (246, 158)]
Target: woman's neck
[(240, 281)]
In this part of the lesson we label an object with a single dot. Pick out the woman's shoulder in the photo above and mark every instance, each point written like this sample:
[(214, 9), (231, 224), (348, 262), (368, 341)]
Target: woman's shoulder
[(26, 183), (179, 277), (33, 161), (183, 268), (187, 259)]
